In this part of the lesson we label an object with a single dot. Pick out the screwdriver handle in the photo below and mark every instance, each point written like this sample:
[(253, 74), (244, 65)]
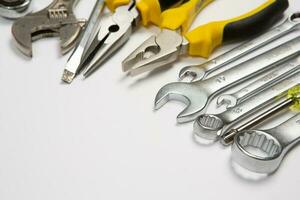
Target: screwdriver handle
[(204, 39)]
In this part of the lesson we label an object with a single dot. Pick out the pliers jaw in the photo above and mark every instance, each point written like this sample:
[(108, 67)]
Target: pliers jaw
[(114, 32), (157, 51)]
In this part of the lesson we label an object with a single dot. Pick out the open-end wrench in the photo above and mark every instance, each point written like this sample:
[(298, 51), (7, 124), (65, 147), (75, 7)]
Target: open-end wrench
[(198, 94), (213, 127), (57, 19), (14, 8), (200, 72), (262, 151), (226, 101)]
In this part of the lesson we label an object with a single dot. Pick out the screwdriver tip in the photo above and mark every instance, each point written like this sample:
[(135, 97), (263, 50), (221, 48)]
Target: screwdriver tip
[(68, 76)]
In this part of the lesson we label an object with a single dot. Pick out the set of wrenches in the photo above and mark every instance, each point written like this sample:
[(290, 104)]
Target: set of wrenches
[(270, 86)]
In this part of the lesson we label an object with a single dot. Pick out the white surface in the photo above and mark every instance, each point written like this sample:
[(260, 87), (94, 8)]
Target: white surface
[(100, 139)]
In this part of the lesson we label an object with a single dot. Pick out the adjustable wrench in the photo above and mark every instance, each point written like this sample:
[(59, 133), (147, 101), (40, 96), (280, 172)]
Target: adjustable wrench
[(275, 143), (226, 101), (197, 95), (14, 8), (57, 19), (213, 127), (200, 72)]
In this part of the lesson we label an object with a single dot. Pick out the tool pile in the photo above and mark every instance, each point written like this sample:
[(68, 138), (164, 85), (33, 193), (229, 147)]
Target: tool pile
[(272, 77)]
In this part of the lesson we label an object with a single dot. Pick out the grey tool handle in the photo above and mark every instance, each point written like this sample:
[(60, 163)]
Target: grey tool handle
[(202, 71), (258, 85), (253, 67), (255, 103)]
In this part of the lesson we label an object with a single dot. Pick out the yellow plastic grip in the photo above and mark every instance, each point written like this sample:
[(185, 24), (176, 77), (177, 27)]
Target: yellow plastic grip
[(204, 39), (294, 93), (183, 16), (113, 4), (150, 11)]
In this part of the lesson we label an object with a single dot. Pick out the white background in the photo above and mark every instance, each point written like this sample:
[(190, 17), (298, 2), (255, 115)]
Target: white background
[(100, 139)]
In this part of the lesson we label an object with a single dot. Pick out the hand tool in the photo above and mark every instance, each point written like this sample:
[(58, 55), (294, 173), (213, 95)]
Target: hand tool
[(73, 64), (167, 46), (292, 100), (14, 8), (57, 19), (197, 95), (226, 101), (199, 72), (116, 30), (269, 147), (212, 126)]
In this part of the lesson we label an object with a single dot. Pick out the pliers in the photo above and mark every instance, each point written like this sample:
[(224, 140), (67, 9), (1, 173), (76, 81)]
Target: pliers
[(174, 40), (117, 29)]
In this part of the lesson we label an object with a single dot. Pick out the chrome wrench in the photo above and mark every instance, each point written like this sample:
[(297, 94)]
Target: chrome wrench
[(226, 101), (197, 95), (274, 143), (200, 72), (213, 127)]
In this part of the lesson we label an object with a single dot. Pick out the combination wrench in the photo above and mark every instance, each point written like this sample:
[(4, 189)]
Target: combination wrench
[(213, 127), (270, 146), (198, 95), (226, 101), (201, 72)]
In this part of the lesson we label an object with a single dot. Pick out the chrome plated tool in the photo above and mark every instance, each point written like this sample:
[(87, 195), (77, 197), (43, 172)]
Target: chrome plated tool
[(290, 100), (57, 19), (212, 127), (166, 47), (73, 66), (116, 30), (14, 8), (226, 101), (199, 72), (262, 151), (197, 95)]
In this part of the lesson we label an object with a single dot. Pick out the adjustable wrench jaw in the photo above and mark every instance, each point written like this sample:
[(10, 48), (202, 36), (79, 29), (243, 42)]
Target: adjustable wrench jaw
[(192, 95), (14, 9), (57, 20)]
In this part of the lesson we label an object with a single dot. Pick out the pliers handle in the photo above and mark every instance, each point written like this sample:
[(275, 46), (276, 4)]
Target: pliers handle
[(204, 39)]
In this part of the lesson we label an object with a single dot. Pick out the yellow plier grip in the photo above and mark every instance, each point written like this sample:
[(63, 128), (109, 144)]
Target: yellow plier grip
[(204, 39), (150, 10)]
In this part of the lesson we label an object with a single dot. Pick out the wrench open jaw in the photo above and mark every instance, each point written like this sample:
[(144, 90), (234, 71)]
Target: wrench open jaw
[(57, 19), (191, 94)]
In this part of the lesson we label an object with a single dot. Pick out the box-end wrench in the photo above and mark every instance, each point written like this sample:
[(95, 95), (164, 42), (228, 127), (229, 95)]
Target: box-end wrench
[(270, 146), (212, 127), (226, 101), (200, 72), (197, 95), (12, 9), (290, 100)]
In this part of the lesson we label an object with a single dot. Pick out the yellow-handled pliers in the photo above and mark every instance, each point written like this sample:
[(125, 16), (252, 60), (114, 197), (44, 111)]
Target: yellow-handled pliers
[(173, 41), (117, 29)]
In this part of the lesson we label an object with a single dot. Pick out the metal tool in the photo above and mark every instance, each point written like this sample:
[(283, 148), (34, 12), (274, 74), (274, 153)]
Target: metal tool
[(200, 72), (291, 100), (270, 146), (212, 127), (169, 45), (197, 95), (14, 8), (226, 101), (73, 66), (116, 30), (57, 19)]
